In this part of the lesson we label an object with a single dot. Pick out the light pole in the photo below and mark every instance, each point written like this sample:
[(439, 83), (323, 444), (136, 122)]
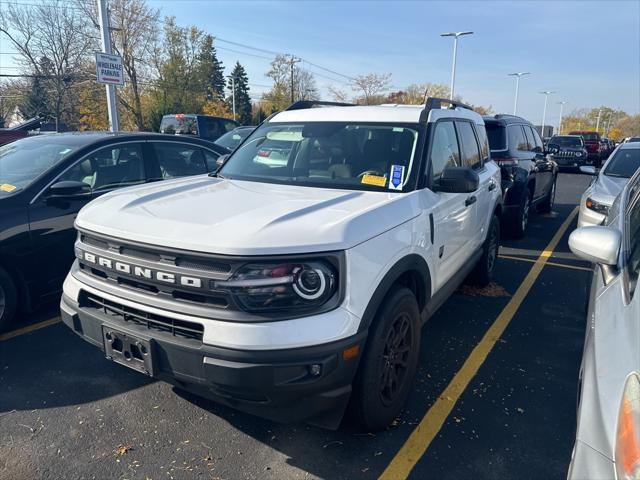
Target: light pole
[(517, 75), (455, 36), (546, 94), (598, 121), (560, 121)]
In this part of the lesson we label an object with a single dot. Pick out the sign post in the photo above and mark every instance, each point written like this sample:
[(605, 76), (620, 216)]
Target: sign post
[(108, 67)]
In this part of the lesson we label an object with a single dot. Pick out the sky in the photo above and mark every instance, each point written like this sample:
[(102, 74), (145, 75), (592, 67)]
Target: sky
[(586, 51)]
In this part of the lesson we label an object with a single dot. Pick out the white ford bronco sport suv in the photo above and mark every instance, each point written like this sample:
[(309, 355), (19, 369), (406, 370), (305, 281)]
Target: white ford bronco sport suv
[(294, 282)]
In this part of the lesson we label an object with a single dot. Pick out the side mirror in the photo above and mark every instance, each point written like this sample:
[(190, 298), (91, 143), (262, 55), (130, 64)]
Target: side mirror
[(69, 189), (222, 159), (458, 180), (599, 244), (589, 170)]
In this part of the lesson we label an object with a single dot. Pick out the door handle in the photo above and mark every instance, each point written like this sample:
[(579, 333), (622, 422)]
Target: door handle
[(470, 201), (492, 187)]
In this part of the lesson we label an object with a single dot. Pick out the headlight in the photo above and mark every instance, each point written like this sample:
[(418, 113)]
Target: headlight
[(578, 154), (270, 287), (627, 452), (597, 207)]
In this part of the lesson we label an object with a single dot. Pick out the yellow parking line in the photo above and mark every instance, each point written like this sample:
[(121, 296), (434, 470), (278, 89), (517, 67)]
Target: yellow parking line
[(420, 439), (29, 328), (554, 264)]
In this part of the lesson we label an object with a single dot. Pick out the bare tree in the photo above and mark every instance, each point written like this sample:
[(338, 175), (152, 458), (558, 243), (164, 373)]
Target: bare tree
[(337, 94), (134, 37), (286, 73), (371, 85), (52, 41)]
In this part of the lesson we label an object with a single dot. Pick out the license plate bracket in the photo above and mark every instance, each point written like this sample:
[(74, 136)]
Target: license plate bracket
[(128, 350)]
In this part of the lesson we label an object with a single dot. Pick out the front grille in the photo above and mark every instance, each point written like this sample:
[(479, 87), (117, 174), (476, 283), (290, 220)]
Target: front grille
[(151, 321)]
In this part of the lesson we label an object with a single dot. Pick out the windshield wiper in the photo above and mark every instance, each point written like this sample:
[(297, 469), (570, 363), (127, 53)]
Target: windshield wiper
[(617, 175)]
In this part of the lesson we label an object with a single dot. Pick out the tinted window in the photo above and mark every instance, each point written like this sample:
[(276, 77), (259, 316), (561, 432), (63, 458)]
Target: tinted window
[(179, 160), (566, 141), (211, 128), (444, 149), (469, 145), (537, 139), (497, 137), (179, 124), (24, 160), (482, 140), (624, 163), (229, 125), (517, 139), (109, 167), (529, 136)]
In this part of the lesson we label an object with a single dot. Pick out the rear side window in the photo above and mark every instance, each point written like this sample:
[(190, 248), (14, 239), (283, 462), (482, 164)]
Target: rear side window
[(179, 160), (444, 149), (211, 128), (517, 139), (470, 151), (536, 139), (529, 135), (484, 143), (179, 124), (497, 136)]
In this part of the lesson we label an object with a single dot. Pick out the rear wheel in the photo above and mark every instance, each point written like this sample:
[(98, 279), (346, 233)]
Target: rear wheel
[(519, 223), (8, 300), (547, 204), (390, 361), (483, 271)]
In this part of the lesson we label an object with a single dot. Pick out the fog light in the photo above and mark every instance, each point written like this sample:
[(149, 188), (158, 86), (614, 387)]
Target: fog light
[(315, 369)]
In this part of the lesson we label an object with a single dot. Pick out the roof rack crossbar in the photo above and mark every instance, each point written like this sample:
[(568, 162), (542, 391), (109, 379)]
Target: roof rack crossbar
[(437, 103), (304, 104)]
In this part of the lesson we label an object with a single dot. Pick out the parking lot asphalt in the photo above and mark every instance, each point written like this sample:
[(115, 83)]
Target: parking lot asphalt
[(66, 412)]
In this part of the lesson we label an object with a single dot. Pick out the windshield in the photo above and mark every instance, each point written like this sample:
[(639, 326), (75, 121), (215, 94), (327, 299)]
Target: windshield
[(624, 163), (328, 154), (22, 161), (566, 141), (179, 124), (496, 134), (589, 137), (233, 138)]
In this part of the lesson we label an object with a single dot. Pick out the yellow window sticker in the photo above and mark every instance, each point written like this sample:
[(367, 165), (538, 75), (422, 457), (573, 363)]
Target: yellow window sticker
[(374, 180), (6, 187)]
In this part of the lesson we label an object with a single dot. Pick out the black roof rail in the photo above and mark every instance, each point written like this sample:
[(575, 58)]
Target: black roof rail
[(27, 125), (437, 103), (304, 104)]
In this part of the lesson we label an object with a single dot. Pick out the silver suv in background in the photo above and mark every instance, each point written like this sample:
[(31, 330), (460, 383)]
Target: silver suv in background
[(608, 435), (611, 179)]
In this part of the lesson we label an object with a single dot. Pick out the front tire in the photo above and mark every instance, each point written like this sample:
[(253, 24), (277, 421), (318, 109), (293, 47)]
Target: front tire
[(483, 271), (8, 300), (390, 361)]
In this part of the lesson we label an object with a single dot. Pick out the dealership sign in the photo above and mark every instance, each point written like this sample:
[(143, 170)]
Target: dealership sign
[(109, 69)]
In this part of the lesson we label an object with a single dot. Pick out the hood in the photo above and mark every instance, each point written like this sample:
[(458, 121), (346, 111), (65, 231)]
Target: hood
[(605, 189), (213, 215)]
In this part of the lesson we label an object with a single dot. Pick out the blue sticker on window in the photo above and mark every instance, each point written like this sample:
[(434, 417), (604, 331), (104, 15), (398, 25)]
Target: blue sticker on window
[(397, 177)]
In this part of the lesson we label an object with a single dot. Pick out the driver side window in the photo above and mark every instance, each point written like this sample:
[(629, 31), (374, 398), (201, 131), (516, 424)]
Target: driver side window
[(444, 149), (109, 167)]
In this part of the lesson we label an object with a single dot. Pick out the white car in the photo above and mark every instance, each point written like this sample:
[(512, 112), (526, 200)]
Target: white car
[(607, 442), (614, 175), (292, 288)]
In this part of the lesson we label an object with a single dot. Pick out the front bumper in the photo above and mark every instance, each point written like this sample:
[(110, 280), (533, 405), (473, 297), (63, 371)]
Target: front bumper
[(280, 385)]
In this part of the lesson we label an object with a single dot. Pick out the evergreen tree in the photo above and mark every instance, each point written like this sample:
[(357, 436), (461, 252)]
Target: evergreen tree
[(36, 101), (210, 71), (243, 101)]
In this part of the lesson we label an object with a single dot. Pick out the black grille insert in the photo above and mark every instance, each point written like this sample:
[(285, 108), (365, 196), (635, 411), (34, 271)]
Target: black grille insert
[(160, 323)]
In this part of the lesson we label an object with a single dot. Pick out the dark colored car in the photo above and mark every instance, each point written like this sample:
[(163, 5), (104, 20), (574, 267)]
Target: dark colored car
[(8, 135), (232, 139), (594, 147), (206, 127), (528, 174), (568, 151), (46, 180)]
